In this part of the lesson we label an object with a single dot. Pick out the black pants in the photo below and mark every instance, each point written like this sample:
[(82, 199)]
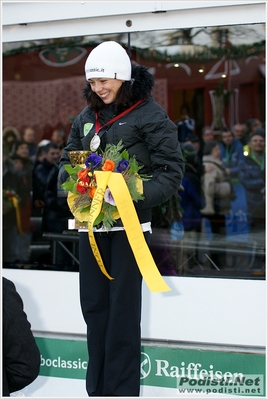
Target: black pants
[(112, 312)]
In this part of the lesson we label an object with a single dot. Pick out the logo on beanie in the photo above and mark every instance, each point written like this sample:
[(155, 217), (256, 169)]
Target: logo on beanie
[(95, 69), (87, 128)]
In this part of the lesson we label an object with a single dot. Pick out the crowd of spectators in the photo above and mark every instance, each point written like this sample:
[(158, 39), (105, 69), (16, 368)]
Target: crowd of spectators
[(30, 191), (215, 163), (223, 161)]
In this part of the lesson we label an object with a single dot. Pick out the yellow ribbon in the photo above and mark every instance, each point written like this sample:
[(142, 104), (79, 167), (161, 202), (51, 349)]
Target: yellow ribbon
[(131, 223), (17, 210), (136, 239), (93, 214)]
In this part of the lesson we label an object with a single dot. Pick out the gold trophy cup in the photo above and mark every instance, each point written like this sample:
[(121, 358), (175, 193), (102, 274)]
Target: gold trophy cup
[(78, 157)]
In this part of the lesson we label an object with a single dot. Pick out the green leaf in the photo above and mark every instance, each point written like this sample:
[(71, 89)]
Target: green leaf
[(72, 170), (85, 209), (108, 219), (134, 167), (99, 219), (125, 155), (70, 185)]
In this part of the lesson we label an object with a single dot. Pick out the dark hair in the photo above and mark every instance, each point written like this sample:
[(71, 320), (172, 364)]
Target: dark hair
[(193, 138), (138, 88), (16, 156), (123, 98), (208, 147), (189, 153), (50, 145), (19, 143), (258, 132), (252, 122), (40, 150), (226, 129)]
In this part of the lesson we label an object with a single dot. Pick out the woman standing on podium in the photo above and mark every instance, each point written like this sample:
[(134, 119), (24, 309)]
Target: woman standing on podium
[(120, 107)]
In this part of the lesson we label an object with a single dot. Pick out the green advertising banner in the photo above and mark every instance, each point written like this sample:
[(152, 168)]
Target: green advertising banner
[(203, 371), (186, 370), (63, 358)]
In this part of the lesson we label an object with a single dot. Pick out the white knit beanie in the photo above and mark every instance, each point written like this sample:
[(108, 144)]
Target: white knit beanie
[(108, 60)]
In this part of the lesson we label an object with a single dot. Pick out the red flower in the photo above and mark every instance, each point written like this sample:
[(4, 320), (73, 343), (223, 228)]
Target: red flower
[(81, 189), (86, 181)]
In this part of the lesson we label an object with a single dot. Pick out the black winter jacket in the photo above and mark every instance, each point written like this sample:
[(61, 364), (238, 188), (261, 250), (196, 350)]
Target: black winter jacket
[(253, 179), (21, 356), (146, 132), (40, 177), (56, 211)]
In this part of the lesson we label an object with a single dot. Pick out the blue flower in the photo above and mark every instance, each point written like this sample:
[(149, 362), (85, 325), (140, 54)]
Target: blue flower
[(122, 165), (108, 197), (93, 160)]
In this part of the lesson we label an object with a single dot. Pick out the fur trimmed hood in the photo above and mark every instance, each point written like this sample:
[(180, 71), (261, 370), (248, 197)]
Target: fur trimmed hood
[(143, 82)]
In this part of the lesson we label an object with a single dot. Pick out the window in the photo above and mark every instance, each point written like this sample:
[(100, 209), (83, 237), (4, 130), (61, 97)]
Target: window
[(210, 77)]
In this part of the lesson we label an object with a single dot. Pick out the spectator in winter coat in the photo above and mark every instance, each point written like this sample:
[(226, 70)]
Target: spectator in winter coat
[(186, 125), (48, 196), (22, 154), (59, 136), (214, 182), (24, 238), (28, 135), (207, 136), (195, 141), (191, 200), (57, 209), (252, 176), (217, 193), (40, 177), (21, 356), (231, 152), (10, 137), (14, 197), (239, 132)]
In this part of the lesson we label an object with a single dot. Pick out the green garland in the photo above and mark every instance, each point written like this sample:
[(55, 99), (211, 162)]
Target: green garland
[(206, 54)]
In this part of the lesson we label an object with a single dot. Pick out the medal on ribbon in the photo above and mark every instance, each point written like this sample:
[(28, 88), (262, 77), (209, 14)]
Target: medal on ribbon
[(95, 143)]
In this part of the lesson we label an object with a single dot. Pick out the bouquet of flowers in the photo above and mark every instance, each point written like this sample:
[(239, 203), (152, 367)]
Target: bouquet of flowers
[(82, 182)]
